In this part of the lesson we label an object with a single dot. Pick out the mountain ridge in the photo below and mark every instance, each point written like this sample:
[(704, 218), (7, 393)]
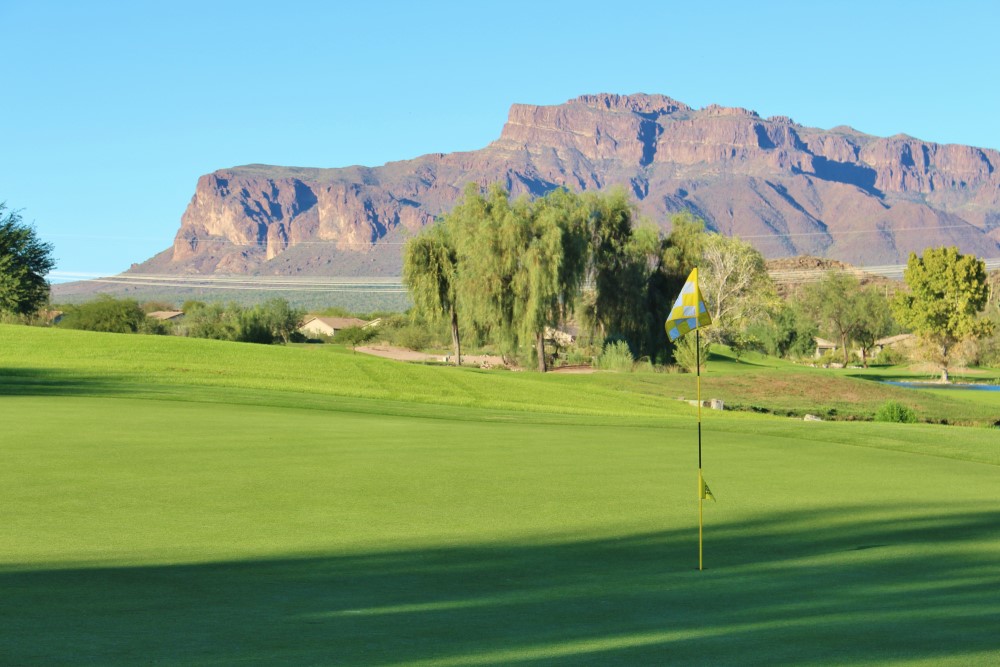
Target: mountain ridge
[(786, 188)]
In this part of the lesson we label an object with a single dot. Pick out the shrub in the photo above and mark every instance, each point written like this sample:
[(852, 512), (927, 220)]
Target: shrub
[(895, 412), (616, 356), (413, 337), (354, 336), (686, 354), (742, 342), (154, 327), (211, 321), (105, 314), (254, 327), (890, 356)]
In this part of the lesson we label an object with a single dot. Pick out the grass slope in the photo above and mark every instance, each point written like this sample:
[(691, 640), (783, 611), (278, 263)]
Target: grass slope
[(227, 512)]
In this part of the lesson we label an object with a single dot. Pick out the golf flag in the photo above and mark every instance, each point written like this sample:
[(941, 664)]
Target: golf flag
[(706, 493), (689, 310)]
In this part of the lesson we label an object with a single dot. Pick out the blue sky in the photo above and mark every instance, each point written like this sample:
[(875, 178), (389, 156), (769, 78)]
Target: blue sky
[(112, 110)]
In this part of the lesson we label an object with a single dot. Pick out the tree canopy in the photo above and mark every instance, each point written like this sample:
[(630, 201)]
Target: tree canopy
[(24, 263), (430, 271), (505, 270), (518, 265), (735, 284), (844, 310), (948, 290)]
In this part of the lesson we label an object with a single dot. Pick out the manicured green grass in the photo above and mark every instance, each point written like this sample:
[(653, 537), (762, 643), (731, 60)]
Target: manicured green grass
[(53, 360), (178, 502)]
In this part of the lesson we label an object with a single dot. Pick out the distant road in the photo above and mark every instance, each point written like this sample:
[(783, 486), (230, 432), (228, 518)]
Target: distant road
[(393, 284), (388, 285), (894, 271)]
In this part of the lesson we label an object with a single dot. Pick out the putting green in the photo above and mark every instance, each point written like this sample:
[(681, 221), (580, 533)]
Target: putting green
[(229, 523)]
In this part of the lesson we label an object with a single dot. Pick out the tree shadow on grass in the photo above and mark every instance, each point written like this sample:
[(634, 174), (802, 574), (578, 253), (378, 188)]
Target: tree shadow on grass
[(806, 587), (19, 381)]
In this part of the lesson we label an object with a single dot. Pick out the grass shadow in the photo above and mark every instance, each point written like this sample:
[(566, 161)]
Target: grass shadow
[(801, 587), (20, 381)]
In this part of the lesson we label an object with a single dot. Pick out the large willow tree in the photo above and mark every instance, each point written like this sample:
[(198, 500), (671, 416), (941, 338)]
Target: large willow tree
[(515, 267), (430, 271), (521, 263), (553, 262), (621, 264)]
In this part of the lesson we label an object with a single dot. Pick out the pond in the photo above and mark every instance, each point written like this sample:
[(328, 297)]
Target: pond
[(935, 385)]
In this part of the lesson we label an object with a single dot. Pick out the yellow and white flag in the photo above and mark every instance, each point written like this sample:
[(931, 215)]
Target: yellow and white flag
[(706, 493), (689, 310)]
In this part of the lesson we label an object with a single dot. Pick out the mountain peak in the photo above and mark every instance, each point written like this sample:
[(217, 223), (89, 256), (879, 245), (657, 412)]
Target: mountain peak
[(640, 103)]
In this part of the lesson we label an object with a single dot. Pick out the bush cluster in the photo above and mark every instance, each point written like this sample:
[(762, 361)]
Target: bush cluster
[(616, 356), (273, 321), (895, 412)]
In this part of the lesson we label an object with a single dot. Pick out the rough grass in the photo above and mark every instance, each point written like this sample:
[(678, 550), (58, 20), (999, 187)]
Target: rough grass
[(767, 385), (242, 517)]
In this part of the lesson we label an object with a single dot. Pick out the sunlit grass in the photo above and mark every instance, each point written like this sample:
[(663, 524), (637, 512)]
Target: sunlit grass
[(171, 501)]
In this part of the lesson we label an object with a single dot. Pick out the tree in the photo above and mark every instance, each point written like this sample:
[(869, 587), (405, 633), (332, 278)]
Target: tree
[(486, 232), (212, 320), (430, 272), (105, 314), (253, 325), (280, 318), (735, 284), (948, 290), (842, 310), (684, 246), (875, 320), (826, 303), (553, 265), (621, 264), (678, 253), (519, 264), (24, 262), (354, 336)]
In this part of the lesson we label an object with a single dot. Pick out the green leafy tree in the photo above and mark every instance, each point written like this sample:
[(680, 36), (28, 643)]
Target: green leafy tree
[(553, 264), (520, 264), (24, 262), (281, 319), (737, 289), (678, 253), (254, 326), (212, 320), (875, 320), (948, 291), (105, 314), (487, 234), (354, 336), (788, 333), (834, 305), (684, 246), (621, 264), (430, 272)]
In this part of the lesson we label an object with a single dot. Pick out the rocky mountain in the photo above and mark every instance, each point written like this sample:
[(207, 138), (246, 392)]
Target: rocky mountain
[(787, 189)]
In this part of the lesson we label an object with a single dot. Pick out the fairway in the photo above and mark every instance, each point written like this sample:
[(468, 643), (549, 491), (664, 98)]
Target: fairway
[(222, 521)]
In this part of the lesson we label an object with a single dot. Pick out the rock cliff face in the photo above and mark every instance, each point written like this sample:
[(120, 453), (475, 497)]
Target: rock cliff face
[(786, 188)]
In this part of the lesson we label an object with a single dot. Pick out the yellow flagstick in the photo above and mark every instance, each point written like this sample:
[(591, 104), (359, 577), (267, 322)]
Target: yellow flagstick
[(689, 312), (701, 482)]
